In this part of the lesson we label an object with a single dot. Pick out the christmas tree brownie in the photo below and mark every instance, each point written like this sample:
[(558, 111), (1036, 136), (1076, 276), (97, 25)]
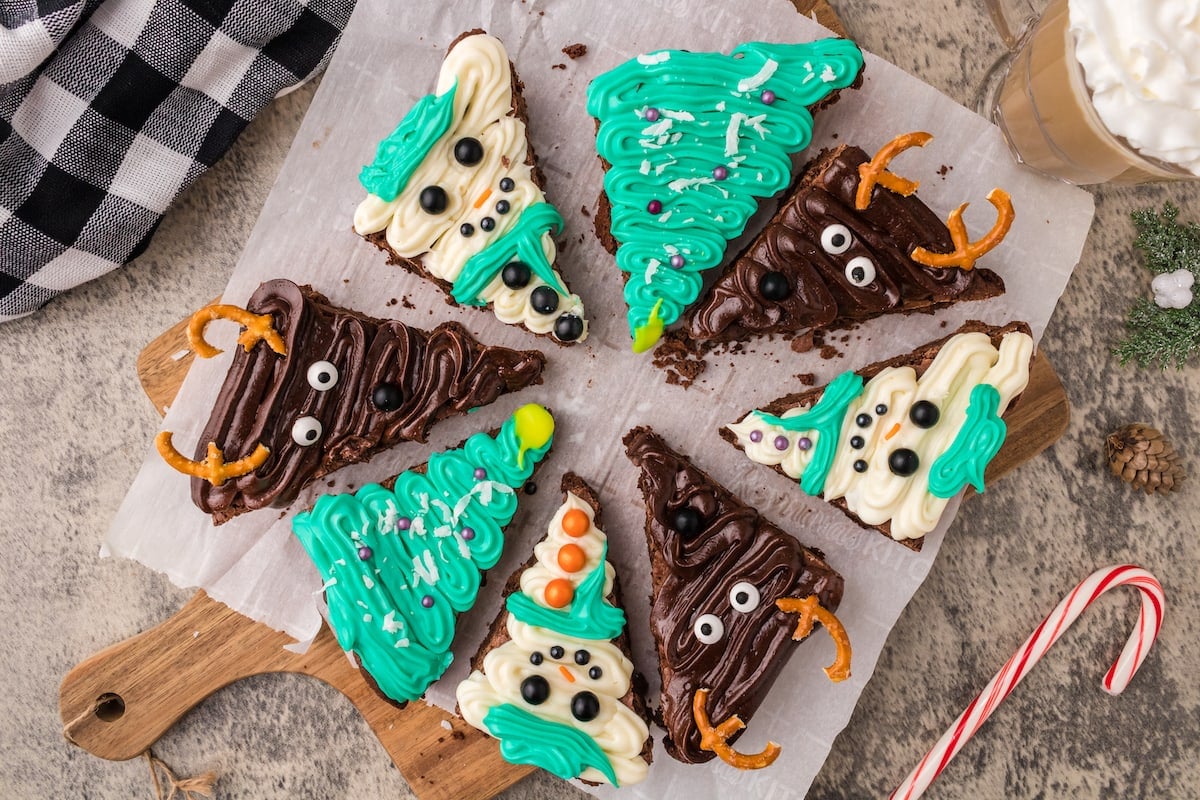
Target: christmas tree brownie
[(315, 387), (554, 681), (455, 195), (403, 559), (852, 241), (892, 443), (691, 143), (726, 588)]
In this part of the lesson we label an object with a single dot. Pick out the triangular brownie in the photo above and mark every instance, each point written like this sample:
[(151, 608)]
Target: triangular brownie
[(892, 443), (722, 577), (403, 559), (455, 195), (691, 143), (553, 681), (824, 260), (317, 387)]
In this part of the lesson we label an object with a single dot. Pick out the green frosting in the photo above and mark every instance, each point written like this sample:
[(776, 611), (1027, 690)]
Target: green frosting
[(375, 604), (590, 616), (975, 445), (522, 242), (700, 108), (399, 155), (825, 419), (559, 749)]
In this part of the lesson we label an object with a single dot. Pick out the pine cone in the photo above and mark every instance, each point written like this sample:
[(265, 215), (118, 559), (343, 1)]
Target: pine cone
[(1141, 456)]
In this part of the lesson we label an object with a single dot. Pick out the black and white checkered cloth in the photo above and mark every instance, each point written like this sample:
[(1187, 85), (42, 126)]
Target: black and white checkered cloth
[(110, 108)]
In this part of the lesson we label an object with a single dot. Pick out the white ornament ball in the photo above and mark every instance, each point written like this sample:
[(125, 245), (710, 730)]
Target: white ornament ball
[(1173, 289)]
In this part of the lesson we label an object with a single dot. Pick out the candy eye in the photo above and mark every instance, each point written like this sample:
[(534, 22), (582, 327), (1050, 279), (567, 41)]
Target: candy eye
[(306, 431), (468, 151), (709, 629), (744, 597), (860, 271), (836, 239), (322, 376), (433, 200), (535, 690), (556, 652)]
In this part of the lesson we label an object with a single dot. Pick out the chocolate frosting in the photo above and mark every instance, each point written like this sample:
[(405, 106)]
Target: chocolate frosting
[(886, 232), (439, 373), (695, 575)]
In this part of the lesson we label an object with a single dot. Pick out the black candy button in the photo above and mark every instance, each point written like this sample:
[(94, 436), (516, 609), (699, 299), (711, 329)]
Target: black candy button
[(924, 414), (582, 657), (568, 328), (507, 185), (881, 409), (556, 652), (857, 442), (585, 706), (516, 274), (774, 286), (544, 300), (903, 462), (595, 673), (466, 229), (863, 420), (502, 207), (433, 200), (535, 690), (387, 397), (860, 466), (487, 224), (468, 151), (535, 658), (686, 522)]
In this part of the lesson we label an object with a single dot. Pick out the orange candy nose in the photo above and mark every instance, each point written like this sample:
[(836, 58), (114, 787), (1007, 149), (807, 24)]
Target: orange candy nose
[(571, 557), (576, 523), (559, 592)]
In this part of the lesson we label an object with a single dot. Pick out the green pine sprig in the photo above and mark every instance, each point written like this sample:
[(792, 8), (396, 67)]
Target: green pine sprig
[(1161, 336)]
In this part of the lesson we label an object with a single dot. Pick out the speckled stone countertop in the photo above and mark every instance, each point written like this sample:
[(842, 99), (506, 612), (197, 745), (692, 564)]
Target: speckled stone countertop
[(75, 425)]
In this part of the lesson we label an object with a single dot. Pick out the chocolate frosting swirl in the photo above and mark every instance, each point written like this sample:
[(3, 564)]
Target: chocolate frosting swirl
[(439, 373), (886, 232), (695, 575)]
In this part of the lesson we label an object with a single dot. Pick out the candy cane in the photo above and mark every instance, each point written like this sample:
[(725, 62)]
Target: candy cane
[(1052, 627)]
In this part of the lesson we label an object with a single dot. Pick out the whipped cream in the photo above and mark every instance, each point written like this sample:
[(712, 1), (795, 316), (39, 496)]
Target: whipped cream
[(1141, 61)]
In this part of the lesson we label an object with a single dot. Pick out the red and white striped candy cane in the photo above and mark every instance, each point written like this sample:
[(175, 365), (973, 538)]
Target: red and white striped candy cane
[(1052, 627)]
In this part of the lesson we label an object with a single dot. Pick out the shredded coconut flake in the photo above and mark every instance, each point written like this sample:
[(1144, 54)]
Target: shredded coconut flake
[(759, 78)]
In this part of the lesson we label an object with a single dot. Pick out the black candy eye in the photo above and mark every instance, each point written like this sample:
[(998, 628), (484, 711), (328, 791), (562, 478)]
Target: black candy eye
[(556, 652), (568, 328), (468, 151), (582, 657), (903, 462), (507, 185), (774, 286), (544, 300), (516, 275), (585, 706), (487, 224), (863, 420), (433, 200), (881, 409), (924, 414), (535, 690), (387, 397), (466, 229), (686, 522), (502, 207), (595, 673), (535, 658), (860, 466), (857, 442)]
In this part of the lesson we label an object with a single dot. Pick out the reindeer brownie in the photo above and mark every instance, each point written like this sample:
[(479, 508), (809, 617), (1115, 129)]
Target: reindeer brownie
[(315, 387)]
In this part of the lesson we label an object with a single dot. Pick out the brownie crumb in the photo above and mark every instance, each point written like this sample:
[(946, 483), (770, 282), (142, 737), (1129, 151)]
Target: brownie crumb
[(682, 364), (943, 170), (558, 66), (584, 210), (404, 301), (803, 343), (457, 735), (828, 352), (392, 302), (806, 378), (574, 51), (942, 324)]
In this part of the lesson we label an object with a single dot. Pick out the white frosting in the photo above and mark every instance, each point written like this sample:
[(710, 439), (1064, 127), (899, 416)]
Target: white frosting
[(483, 111), (617, 730), (878, 495), (1141, 61)]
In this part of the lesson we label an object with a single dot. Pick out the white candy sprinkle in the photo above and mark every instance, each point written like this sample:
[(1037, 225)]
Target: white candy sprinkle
[(649, 59), (682, 116), (390, 625), (828, 75), (759, 78), (424, 570), (680, 184), (645, 168), (367, 582)]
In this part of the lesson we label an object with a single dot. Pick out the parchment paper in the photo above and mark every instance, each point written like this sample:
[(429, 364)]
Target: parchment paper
[(388, 58)]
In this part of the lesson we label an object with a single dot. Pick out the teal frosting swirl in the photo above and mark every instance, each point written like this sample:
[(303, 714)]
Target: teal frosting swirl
[(974, 447), (399, 155), (702, 100), (559, 749), (375, 604), (522, 242), (590, 616), (825, 418)]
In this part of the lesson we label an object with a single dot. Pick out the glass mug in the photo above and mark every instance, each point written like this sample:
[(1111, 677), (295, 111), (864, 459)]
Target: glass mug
[(1038, 97)]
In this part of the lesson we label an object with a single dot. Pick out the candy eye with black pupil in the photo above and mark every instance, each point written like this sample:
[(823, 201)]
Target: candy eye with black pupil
[(774, 286), (502, 207), (433, 200), (924, 414), (535, 690), (568, 328), (544, 300), (322, 376), (507, 185), (595, 673), (468, 151), (744, 597), (556, 652), (516, 275), (487, 224), (466, 229), (582, 657), (860, 271), (306, 431), (536, 658), (686, 522), (709, 629), (387, 397), (903, 462), (585, 706), (836, 239)]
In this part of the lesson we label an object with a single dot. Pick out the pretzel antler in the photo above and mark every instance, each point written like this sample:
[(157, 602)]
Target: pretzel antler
[(965, 251), (717, 739), (213, 468), (259, 327), (875, 170), (810, 611)]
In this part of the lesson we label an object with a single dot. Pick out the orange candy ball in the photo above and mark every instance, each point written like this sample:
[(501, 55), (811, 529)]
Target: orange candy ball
[(575, 522), (559, 592), (571, 557)]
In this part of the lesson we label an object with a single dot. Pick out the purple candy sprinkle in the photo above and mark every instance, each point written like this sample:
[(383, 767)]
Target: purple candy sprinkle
[(677, 261), (756, 436), (427, 601), (781, 443), (403, 524), (480, 473), (805, 443), (767, 97), (720, 173), (654, 206), (468, 534), (365, 552), (651, 114)]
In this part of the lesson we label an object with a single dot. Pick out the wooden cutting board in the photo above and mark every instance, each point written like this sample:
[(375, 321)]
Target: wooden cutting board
[(118, 702)]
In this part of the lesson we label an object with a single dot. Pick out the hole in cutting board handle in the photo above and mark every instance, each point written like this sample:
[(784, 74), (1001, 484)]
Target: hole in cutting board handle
[(110, 707)]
